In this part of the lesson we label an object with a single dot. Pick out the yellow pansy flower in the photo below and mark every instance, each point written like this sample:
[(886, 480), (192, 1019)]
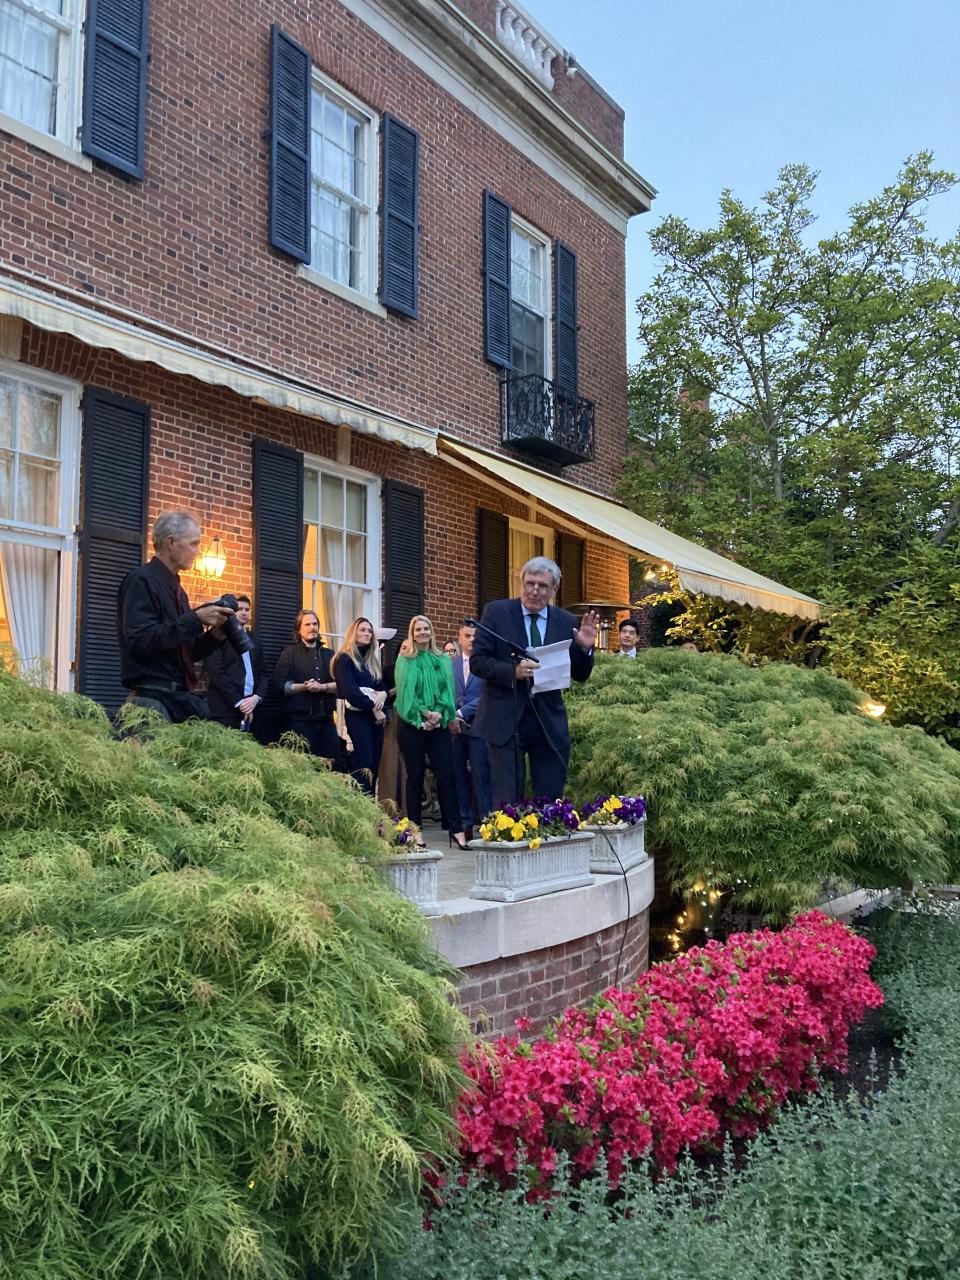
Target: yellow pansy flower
[(532, 821), (536, 842), (486, 831), (517, 832), (503, 822)]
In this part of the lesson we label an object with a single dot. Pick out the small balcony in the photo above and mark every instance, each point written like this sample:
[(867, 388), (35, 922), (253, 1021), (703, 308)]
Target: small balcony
[(541, 418)]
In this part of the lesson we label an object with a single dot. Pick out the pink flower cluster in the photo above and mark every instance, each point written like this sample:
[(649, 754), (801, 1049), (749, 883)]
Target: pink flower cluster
[(707, 1044)]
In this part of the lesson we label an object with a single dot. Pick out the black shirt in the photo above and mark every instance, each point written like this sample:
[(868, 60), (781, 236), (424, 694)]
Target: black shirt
[(297, 664), (156, 639)]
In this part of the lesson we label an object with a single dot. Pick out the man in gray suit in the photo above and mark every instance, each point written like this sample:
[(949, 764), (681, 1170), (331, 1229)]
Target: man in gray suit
[(539, 731)]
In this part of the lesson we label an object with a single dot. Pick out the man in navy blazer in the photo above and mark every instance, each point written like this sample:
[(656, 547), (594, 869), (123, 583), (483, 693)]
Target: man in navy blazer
[(470, 762), (540, 733)]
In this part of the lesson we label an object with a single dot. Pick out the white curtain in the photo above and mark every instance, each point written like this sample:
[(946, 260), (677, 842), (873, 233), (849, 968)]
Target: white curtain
[(28, 86), (28, 576)]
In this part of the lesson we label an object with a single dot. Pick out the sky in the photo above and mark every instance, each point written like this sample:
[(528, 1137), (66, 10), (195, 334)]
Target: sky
[(722, 93)]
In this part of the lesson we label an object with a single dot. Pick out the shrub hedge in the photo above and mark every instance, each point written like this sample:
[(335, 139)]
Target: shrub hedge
[(837, 1189), (225, 1046), (766, 781)]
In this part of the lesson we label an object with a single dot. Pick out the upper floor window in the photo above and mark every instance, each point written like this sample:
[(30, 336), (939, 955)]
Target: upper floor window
[(341, 558), (39, 65), (529, 302), (343, 190)]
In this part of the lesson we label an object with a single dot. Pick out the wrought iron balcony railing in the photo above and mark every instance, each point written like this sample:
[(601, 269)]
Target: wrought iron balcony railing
[(539, 417)]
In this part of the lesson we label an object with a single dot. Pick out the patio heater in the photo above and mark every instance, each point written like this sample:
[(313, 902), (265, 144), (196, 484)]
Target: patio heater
[(607, 609)]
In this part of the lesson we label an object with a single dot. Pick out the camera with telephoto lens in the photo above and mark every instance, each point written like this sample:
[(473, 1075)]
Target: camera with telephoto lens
[(236, 635)]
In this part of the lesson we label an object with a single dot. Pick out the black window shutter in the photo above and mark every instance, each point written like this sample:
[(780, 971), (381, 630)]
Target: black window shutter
[(290, 77), (400, 233), (566, 374), (571, 552), (493, 557), (116, 447), (496, 280), (403, 595), (115, 83), (278, 560)]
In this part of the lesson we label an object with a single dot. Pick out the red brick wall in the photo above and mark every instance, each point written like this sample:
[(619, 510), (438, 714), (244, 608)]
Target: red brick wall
[(187, 247), (541, 984)]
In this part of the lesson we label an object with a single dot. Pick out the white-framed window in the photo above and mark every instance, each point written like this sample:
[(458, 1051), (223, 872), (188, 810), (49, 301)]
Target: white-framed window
[(343, 198), (341, 557), (526, 541), (39, 477), (40, 66), (529, 299)]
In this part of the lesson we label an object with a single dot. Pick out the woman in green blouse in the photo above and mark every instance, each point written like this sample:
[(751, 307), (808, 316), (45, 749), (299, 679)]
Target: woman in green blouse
[(425, 706)]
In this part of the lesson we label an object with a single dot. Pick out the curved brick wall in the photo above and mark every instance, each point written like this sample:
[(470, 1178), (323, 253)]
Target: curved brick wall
[(541, 984)]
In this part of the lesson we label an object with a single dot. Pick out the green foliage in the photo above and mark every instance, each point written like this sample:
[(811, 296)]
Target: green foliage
[(768, 781), (796, 408), (225, 1046), (837, 1190)]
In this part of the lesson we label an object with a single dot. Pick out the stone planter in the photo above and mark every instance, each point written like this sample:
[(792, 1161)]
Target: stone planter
[(414, 877), (513, 872), (621, 841)]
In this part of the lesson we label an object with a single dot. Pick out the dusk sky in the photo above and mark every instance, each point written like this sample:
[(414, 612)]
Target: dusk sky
[(721, 93)]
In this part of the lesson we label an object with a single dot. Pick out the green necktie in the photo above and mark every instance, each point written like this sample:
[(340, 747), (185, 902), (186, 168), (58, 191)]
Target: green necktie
[(536, 639)]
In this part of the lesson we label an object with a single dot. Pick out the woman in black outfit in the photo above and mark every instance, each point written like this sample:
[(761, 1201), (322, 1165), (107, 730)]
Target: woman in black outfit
[(359, 676), (310, 692)]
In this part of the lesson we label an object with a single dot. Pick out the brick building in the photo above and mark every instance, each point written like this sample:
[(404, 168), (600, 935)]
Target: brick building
[(345, 277)]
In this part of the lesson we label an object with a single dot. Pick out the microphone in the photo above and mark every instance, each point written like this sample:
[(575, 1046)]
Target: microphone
[(469, 622)]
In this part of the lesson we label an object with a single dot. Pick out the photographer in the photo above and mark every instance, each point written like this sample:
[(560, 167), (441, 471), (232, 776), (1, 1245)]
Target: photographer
[(236, 682), (160, 635)]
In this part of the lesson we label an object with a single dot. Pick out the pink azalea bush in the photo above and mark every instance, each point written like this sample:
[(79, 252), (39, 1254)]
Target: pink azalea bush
[(708, 1044)]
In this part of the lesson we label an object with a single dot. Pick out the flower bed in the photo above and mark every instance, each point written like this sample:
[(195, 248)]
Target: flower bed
[(708, 1044)]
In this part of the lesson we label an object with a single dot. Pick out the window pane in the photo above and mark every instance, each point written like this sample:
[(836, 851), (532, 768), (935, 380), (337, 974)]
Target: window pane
[(331, 501), (39, 424), (331, 553), (327, 601), (310, 552), (6, 485), (28, 611), (8, 393), (356, 507), (309, 589), (37, 494), (356, 558), (28, 67), (311, 495)]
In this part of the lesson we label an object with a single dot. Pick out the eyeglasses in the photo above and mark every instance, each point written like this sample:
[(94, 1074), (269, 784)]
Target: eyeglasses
[(527, 585)]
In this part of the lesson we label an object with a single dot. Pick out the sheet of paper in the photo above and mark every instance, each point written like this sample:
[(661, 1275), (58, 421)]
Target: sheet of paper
[(554, 669)]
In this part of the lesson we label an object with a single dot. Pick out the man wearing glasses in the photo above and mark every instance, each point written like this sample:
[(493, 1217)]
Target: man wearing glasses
[(521, 729)]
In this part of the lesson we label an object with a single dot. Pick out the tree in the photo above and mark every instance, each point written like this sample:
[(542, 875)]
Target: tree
[(796, 405)]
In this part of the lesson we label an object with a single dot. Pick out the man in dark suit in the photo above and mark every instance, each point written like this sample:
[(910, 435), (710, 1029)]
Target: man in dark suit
[(470, 763), (540, 733), (236, 683)]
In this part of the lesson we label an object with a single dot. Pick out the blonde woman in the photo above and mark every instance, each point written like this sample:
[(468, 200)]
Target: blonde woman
[(359, 676), (425, 706)]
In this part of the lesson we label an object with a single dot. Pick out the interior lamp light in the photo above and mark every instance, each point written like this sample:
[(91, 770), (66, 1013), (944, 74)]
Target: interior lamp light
[(212, 561)]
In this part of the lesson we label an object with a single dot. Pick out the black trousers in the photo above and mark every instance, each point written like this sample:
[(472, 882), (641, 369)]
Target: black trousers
[(322, 738), (367, 738), (548, 764), (416, 747)]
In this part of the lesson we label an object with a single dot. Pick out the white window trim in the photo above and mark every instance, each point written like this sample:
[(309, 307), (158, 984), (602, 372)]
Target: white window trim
[(536, 530), (65, 143), (366, 297), (545, 242), (374, 486), (63, 539)]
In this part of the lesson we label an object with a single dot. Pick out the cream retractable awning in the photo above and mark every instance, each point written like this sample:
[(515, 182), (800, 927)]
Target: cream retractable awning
[(98, 329), (700, 571)]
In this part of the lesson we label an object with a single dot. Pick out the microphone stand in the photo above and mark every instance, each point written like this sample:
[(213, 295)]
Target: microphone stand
[(517, 652)]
